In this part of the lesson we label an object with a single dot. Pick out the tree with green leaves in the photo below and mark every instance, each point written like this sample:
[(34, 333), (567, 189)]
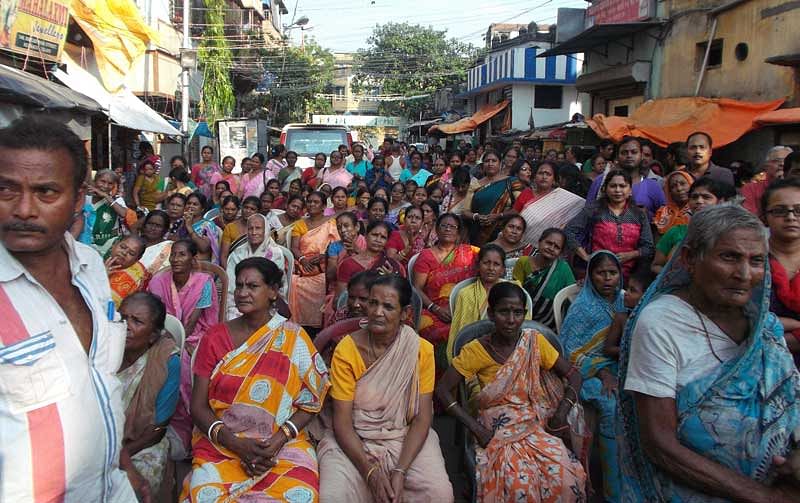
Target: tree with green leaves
[(411, 60), (215, 59)]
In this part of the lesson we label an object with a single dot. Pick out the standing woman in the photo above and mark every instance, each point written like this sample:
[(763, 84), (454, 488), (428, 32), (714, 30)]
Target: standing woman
[(780, 203), (291, 172), (544, 273), (437, 270), (415, 171), (613, 222), (259, 381), (439, 174), (371, 258), (310, 238), (523, 170), (204, 171), (238, 228), (157, 247), (381, 447), (295, 207), (277, 163), (397, 203), (338, 202), (312, 175), (510, 158), (227, 175), (459, 198), (190, 296), (492, 201), (545, 204), (336, 175), (583, 333), (676, 211), (254, 182)]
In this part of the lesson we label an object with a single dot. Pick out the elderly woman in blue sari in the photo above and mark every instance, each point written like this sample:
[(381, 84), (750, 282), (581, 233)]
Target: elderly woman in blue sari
[(583, 334), (710, 399), (492, 201), (204, 233)]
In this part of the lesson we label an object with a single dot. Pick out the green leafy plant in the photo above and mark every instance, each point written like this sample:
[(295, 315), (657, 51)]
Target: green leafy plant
[(215, 59)]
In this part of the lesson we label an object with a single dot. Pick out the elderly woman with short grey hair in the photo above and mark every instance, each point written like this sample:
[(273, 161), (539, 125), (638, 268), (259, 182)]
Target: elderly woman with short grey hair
[(710, 397)]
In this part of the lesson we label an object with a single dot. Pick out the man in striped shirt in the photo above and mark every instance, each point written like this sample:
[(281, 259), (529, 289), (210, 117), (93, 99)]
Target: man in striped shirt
[(61, 343)]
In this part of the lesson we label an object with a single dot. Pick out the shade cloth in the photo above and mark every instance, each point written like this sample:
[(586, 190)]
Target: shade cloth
[(466, 124), (672, 119), (779, 117)]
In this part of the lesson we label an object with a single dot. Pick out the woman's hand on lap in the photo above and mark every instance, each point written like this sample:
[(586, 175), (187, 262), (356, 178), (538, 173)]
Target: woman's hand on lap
[(381, 487), (484, 436), (253, 455), (443, 313), (398, 481)]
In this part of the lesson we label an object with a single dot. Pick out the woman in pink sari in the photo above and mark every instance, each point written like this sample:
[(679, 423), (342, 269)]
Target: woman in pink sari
[(310, 239), (190, 296)]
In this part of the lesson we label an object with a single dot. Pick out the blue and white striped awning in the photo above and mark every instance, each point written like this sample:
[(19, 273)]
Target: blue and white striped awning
[(520, 64)]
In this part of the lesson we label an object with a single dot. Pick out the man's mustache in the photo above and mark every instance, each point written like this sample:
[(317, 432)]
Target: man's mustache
[(22, 227)]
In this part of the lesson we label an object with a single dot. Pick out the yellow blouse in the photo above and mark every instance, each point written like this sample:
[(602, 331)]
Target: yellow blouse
[(231, 233), (347, 367), (474, 360)]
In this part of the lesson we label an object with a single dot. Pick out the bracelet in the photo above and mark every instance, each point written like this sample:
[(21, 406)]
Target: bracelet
[(398, 470), (474, 217), (211, 427), (293, 427), (286, 431), (452, 404), (430, 306), (215, 433), (370, 472)]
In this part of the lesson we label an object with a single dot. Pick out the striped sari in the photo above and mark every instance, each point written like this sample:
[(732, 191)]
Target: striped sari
[(254, 389)]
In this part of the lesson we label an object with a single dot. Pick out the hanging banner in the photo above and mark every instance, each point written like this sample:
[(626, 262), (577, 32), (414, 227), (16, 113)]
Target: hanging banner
[(36, 28)]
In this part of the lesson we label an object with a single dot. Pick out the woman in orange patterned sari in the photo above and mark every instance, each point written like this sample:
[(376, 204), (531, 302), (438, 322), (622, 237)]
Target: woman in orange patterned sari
[(529, 422), (126, 275), (437, 270), (258, 382)]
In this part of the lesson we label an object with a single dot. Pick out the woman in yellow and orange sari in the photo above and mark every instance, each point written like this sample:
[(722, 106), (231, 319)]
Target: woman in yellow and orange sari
[(126, 275), (310, 239), (258, 382)]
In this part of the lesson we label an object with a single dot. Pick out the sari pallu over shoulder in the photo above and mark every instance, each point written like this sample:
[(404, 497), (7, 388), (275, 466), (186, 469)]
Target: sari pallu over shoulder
[(492, 198), (739, 416)]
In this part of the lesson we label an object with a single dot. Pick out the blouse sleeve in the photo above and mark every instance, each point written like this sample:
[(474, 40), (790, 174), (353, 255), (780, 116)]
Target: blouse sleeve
[(424, 263), (167, 398), (576, 229), (523, 199), (646, 247), (468, 362), (548, 355), (521, 269), (427, 367), (313, 373), (299, 229), (343, 371), (210, 351)]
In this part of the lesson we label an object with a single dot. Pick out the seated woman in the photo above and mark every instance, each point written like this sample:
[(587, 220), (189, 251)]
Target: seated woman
[(510, 240), (347, 227), (437, 270), (381, 446), (780, 199), (710, 399), (613, 222), (157, 251), (704, 192), (105, 214), (258, 382), (544, 273), (545, 204), (126, 275), (190, 296), (228, 213), (371, 258), (676, 211), (338, 202), (525, 410), (471, 303), (492, 201), (295, 208), (258, 244), (357, 296), (583, 334), (237, 229), (310, 238), (459, 198), (397, 203), (410, 239), (430, 212), (150, 376)]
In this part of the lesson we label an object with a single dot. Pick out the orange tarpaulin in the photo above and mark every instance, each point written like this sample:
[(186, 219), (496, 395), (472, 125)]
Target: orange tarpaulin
[(672, 119), (778, 117), (466, 124)]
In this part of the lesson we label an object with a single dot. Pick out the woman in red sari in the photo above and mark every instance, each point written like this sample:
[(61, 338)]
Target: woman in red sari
[(437, 270), (372, 258)]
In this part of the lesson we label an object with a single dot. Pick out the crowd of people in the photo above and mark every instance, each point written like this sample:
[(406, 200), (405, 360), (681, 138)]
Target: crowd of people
[(281, 334)]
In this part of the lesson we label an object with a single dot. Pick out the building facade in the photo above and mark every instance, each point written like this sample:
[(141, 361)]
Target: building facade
[(342, 97)]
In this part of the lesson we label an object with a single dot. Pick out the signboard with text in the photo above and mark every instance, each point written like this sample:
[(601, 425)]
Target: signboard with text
[(357, 120), (618, 11), (37, 28)]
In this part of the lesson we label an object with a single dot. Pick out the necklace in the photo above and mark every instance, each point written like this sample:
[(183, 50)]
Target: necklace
[(705, 330)]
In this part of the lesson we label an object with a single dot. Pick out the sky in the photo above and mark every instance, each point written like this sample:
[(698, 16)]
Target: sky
[(344, 26)]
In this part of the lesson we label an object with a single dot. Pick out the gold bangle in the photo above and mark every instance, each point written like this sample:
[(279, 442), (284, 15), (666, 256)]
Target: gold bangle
[(453, 404), (370, 472), (286, 431), (398, 470), (215, 432)]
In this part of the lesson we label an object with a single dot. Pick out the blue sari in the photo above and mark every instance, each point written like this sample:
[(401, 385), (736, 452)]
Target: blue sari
[(583, 335), (739, 416)]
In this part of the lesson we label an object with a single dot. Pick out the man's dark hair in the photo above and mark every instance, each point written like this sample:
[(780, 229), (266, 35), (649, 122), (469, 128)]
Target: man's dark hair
[(701, 133), (28, 133)]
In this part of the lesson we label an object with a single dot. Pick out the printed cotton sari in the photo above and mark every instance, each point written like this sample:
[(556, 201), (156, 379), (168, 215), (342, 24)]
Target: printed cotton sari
[(202, 175), (127, 281), (740, 415), (671, 214), (554, 209), (307, 295), (543, 285), (583, 334), (156, 257), (493, 198), (523, 462), (254, 389)]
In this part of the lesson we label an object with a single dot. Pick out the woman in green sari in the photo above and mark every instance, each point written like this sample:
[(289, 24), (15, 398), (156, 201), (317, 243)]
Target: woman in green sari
[(492, 202), (544, 273), (104, 213)]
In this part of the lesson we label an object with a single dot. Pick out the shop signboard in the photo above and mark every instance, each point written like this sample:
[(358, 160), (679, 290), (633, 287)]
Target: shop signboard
[(618, 11), (36, 28)]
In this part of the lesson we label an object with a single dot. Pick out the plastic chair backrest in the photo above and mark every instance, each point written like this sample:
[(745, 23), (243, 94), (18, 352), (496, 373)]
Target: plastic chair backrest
[(220, 273), (416, 305), (175, 328), (566, 293), (483, 327), (288, 267), (454, 292), (411, 262), (211, 214)]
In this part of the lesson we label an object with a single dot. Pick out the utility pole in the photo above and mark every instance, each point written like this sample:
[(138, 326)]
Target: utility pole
[(186, 46)]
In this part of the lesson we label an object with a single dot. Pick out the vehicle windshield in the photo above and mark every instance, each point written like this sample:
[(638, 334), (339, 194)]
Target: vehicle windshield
[(311, 141)]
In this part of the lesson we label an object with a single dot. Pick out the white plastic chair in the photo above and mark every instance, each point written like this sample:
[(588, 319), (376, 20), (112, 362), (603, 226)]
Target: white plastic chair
[(211, 214), (175, 328), (288, 268), (566, 293), (411, 262), (460, 285)]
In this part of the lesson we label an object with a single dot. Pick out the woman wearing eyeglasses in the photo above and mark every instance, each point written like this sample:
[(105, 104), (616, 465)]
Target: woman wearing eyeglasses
[(780, 206)]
